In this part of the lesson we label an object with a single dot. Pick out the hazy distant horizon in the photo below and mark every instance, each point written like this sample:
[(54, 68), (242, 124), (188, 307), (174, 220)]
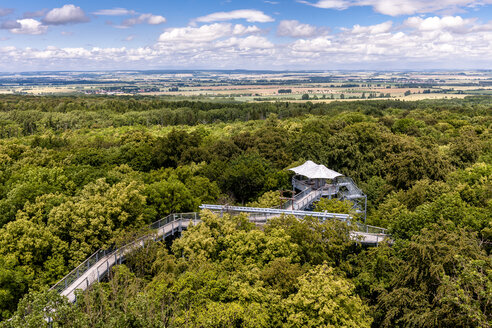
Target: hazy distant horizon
[(212, 70)]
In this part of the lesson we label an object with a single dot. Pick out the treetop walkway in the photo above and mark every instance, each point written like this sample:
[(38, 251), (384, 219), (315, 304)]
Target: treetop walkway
[(98, 265)]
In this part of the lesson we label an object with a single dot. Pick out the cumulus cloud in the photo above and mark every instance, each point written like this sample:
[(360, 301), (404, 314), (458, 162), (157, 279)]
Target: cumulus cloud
[(206, 33), (143, 19), (429, 41), (240, 29), (114, 12), (400, 7), (250, 42), (28, 26), (454, 23), (371, 29), (6, 11), (295, 29), (250, 15), (68, 14), (418, 42)]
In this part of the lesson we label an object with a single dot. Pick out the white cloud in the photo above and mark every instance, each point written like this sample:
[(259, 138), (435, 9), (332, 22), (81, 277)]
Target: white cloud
[(400, 7), (141, 19), (240, 29), (295, 29), (419, 42), (434, 41), (114, 12), (250, 15), (29, 26), (328, 4), (455, 23), (68, 14), (372, 29), (205, 33), (250, 42)]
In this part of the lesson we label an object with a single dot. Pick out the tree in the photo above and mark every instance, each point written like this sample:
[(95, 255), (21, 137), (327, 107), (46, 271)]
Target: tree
[(325, 299), (305, 97), (268, 200), (13, 285), (318, 242), (443, 280), (44, 310), (170, 196), (249, 175), (95, 218), (334, 206)]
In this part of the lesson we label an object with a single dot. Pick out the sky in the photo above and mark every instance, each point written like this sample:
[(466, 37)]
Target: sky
[(90, 35)]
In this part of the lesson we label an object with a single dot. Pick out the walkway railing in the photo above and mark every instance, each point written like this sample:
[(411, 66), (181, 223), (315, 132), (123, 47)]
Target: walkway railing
[(98, 265), (352, 190), (266, 213)]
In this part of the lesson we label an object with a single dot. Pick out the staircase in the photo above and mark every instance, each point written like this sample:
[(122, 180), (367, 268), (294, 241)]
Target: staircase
[(352, 191)]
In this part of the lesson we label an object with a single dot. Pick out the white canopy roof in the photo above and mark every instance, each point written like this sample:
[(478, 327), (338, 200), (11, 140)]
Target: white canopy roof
[(312, 170)]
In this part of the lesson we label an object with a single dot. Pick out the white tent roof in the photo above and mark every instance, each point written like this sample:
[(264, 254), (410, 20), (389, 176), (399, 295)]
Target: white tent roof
[(312, 170)]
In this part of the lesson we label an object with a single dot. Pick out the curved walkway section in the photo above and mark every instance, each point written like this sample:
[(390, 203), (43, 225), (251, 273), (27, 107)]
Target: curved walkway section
[(98, 265)]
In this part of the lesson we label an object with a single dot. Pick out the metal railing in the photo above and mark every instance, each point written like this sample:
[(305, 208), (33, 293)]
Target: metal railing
[(260, 214), (274, 211), (352, 190), (106, 258), (308, 199), (98, 265)]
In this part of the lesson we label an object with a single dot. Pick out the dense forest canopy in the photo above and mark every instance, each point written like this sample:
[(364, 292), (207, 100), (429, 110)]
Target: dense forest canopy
[(82, 173)]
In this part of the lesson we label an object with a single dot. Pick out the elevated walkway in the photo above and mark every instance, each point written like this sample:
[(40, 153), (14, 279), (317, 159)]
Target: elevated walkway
[(98, 265)]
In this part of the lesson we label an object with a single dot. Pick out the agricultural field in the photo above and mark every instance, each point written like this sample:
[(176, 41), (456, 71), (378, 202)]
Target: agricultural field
[(251, 86)]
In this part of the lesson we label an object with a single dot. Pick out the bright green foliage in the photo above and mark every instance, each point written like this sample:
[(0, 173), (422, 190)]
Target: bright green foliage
[(318, 242), (13, 284), (326, 300), (334, 206), (36, 250), (95, 217), (38, 308), (464, 200), (171, 196), (270, 199), (234, 242)]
